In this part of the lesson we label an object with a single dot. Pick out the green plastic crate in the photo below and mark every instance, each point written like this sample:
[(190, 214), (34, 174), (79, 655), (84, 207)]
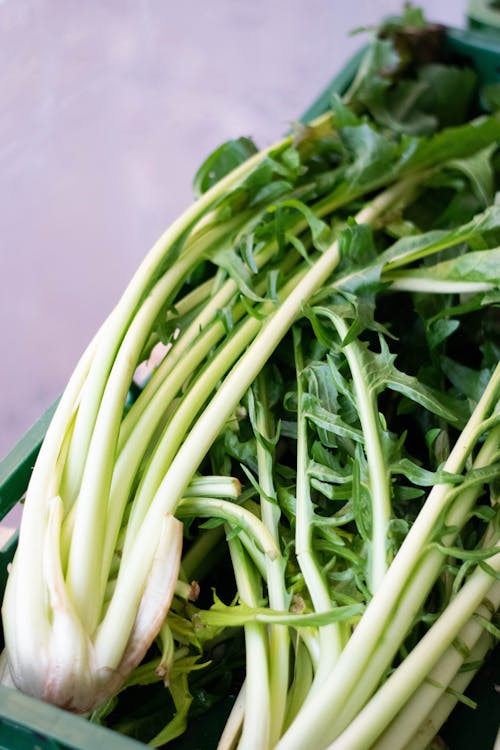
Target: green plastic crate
[(29, 724)]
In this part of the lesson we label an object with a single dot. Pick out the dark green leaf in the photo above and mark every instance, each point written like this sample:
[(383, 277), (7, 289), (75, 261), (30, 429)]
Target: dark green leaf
[(409, 249), (222, 161), (468, 381), (455, 143), (478, 169), (440, 330), (423, 477)]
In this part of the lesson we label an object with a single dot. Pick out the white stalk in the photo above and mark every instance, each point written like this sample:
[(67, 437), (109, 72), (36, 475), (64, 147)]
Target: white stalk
[(413, 283), (447, 701), (129, 459), (232, 729), (25, 611), (412, 715), (168, 445)]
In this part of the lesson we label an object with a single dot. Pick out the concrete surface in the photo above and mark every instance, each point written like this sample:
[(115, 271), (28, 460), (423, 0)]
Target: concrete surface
[(106, 110)]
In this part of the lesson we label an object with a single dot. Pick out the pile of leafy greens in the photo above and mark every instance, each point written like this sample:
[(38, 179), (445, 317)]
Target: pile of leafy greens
[(323, 418)]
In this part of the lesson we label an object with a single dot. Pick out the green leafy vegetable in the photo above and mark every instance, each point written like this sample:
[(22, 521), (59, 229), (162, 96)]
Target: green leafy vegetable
[(297, 508)]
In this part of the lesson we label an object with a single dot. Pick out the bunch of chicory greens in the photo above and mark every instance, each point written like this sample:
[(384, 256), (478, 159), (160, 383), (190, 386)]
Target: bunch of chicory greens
[(294, 518)]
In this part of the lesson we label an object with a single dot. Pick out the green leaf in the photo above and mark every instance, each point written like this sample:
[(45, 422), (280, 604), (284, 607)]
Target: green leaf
[(291, 159), (373, 77), (448, 91), (406, 493), (440, 330), (221, 615), (212, 523), (228, 259), (455, 143), (466, 554), (247, 251), (489, 626), (370, 154), (468, 381), (225, 315), (472, 303), (343, 116), (409, 249), (400, 109), (327, 474), (478, 170), (320, 231), (333, 423), (423, 477), (490, 97), (223, 160), (361, 501), (257, 487), (182, 698), (356, 248), (244, 451), (460, 697), (481, 266), (270, 193), (381, 372)]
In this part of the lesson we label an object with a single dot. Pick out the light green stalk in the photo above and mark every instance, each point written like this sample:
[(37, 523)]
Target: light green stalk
[(257, 715), (199, 391), (131, 455), (142, 530), (279, 640), (83, 571), (236, 515), (26, 611), (181, 361)]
